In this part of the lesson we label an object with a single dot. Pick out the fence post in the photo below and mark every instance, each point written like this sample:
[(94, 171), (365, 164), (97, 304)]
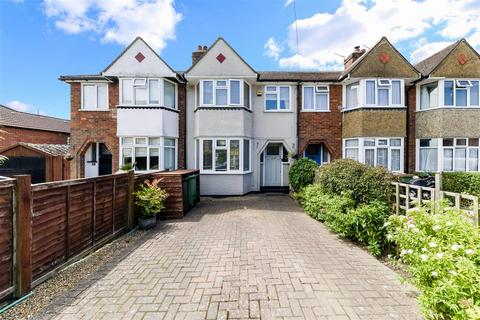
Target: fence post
[(438, 186), (23, 235), (131, 190)]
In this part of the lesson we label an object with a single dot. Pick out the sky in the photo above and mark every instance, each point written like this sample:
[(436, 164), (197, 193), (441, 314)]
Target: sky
[(43, 39)]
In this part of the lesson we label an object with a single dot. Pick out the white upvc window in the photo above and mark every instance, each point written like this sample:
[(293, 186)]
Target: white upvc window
[(94, 96), (427, 155), (384, 92), (148, 92), (277, 98), (149, 153), (351, 95), (376, 152), (222, 93), (223, 155), (429, 95), (316, 98), (461, 92)]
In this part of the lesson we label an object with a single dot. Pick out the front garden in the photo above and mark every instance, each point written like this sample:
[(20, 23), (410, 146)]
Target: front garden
[(440, 250)]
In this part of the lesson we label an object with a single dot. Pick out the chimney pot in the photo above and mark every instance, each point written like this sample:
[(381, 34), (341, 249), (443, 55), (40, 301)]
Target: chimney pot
[(199, 53), (204, 48), (357, 48), (199, 48), (357, 53)]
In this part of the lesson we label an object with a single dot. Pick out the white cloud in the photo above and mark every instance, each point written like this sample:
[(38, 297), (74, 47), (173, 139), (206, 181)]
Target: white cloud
[(272, 48), (425, 49), (21, 106), (117, 21), (288, 2), (357, 22)]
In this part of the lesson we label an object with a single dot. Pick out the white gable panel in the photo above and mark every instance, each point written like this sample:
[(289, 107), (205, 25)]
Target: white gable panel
[(127, 65), (232, 66)]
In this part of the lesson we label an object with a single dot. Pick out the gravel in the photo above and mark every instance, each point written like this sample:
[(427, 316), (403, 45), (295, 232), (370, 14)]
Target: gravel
[(68, 278)]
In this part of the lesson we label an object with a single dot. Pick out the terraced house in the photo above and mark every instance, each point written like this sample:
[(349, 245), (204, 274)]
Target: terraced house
[(243, 128)]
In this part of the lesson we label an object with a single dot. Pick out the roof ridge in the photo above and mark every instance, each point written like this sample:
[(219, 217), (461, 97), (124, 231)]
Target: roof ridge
[(32, 114)]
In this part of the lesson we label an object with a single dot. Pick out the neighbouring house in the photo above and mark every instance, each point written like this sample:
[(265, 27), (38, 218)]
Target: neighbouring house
[(130, 113), (26, 127), (444, 111), (44, 162), (375, 85), (242, 128)]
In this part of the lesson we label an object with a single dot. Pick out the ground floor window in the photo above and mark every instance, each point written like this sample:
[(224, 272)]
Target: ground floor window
[(376, 152), (149, 153), (223, 155), (449, 154), (318, 153)]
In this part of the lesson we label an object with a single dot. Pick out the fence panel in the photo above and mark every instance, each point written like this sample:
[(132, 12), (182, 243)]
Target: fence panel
[(80, 218), (6, 238), (48, 229), (121, 203), (103, 209)]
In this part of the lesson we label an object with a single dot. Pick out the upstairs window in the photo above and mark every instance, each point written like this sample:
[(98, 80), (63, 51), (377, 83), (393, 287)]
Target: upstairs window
[(461, 93), (383, 92), (429, 95), (351, 95), (316, 98), (277, 98), (148, 91), (223, 93), (94, 96)]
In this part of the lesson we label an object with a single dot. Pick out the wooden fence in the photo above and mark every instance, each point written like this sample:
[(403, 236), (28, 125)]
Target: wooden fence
[(44, 227), (407, 196)]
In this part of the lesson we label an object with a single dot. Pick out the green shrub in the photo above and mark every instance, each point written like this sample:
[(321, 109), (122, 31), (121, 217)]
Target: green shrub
[(461, 182), (365, 224), (355, 180), (442, 252), (150, 198), (302, 173)]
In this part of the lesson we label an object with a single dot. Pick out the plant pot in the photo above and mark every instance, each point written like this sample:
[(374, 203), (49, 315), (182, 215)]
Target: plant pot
[(147, 223)]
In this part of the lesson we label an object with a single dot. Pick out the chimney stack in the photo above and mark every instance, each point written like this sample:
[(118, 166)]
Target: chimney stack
[(198, 54), (357, 53)]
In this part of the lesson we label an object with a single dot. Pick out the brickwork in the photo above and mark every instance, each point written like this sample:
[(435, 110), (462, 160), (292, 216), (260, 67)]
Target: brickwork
[(12, 136), (92, 126), (322, 127), (254, 257), (410, 145)]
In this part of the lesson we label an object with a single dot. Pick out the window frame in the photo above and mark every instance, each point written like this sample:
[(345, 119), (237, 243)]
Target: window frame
[(315, 91), (161, 88), (199, 155), (277, 92), (379, 86), (441, 93), (361, 148), (161, 151), (199, 101), (96, 84), (455, 147)]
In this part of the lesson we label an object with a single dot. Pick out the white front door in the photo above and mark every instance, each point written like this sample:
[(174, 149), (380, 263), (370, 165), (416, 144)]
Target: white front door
[(273, 166), (91, 161)]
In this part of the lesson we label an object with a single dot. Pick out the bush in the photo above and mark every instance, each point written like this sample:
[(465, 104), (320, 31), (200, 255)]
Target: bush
[(150, 198), (355, 180), (461, 182), (302, 173), (365, 224), (442, 252)]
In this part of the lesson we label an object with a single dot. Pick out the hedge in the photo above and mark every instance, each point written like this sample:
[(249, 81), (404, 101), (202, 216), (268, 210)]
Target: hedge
[(461, 182)]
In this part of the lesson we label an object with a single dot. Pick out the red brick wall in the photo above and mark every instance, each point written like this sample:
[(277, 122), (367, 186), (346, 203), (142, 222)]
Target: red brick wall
[(92, 126), (322, 127), (410, 150), (12, 136), (182, 93)]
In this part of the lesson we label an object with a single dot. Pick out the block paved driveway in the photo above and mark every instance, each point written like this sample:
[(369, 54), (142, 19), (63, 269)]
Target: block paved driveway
[(257, 256)]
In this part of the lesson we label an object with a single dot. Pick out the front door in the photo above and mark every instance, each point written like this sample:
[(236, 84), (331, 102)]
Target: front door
[(273, 165)]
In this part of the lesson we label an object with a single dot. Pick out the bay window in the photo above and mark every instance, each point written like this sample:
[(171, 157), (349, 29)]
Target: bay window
[(224, 92), (223, 155), (383, 92), (316, 98), (147, 92), (429, 95), (376, 152), (277, 98), (148, 153), (94, 96), (461, 93), (352, 95), (460, 154)]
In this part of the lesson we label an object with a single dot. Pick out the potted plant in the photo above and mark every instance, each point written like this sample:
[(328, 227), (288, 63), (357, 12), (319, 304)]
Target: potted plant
[(150, 199)]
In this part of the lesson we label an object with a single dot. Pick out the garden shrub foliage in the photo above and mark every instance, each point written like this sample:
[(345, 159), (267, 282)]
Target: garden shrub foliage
[(302, 173), (150, 198), (442, 252), (355, 180), (462, 182)]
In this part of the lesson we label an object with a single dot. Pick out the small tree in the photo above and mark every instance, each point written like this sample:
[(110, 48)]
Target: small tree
[(302, 173)]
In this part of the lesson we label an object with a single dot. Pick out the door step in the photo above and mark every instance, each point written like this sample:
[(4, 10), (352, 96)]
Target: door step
[(274, 190)]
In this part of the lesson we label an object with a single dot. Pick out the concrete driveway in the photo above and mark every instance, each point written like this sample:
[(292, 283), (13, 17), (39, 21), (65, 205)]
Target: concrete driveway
[(257, 256)]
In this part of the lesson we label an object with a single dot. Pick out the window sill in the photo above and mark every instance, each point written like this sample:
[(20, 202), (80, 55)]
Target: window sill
[(225, 172), (94, 110), (320, 111), (146, 107), (449, 108), (376, 108), (222, 108), (277, 111)]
